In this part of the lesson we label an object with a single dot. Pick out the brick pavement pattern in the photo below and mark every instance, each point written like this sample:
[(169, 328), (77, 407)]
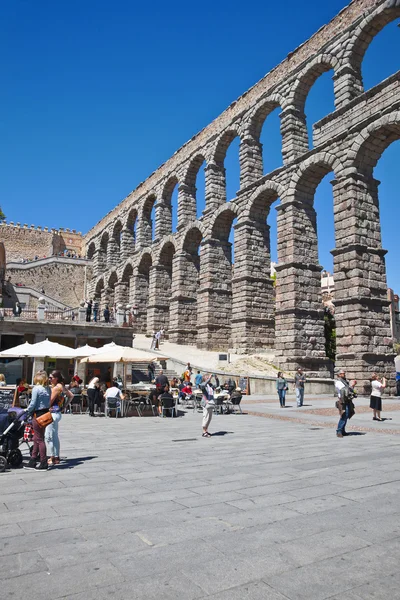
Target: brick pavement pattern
[(146, 508), (185, 282)]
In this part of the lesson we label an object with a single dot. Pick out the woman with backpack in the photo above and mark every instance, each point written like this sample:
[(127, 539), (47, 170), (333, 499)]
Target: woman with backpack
[(58, 395)]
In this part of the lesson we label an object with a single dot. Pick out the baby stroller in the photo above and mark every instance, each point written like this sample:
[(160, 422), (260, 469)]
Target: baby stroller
[(12, 427)]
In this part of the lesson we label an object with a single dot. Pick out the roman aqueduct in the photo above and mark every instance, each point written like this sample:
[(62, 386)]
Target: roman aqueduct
[(185, 281)]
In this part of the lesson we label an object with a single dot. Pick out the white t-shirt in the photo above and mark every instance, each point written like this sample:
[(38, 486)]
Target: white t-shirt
[(113, 392), (376, 388), (339, 385)]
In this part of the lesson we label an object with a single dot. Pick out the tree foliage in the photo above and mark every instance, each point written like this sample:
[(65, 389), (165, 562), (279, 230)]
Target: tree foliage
[(2, 215), (330, 334)]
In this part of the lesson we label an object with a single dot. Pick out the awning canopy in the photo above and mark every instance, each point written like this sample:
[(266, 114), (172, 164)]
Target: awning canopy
[(122, 354), (87, 351), (20, 351), (40, 350)]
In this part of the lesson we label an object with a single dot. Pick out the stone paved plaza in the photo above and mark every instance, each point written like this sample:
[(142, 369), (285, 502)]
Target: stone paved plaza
[(146, 508)]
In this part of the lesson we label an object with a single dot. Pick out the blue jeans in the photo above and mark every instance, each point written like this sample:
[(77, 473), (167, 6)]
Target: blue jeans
[(282, 395), (343, 420), (299, 396), (51, 436)]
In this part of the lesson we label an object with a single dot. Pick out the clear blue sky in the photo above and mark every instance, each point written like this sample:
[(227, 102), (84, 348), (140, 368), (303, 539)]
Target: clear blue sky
[(97, 94)]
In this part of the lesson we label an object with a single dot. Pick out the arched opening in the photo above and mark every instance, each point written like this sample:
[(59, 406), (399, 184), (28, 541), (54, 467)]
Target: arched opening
[(103, 253), (110, 299), (378, 160), (141, 299), (183, 322), (253, 271), (90, 251), (196, 186), (382, 57), (126, 279), (323, 205), (271, 140), (300, 322), (169, 208), (319, 100), (162, 287), (115, 245), (215, 293), (98, 292), (148, 222), (129, 233), (266, 130), (386, 172), (232, 169), (227, 172)]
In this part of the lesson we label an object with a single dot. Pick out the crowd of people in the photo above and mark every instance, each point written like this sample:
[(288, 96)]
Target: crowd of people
[(345, 391), (93, 310)]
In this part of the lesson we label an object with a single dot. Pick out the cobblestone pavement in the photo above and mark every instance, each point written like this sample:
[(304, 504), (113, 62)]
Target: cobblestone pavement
[(146, 508)]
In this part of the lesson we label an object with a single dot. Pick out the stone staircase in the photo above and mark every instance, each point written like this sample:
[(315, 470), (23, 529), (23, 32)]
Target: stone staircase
[(139, 371)]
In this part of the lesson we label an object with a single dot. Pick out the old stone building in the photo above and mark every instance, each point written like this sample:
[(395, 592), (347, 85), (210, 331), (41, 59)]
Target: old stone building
[(23, 242), (185, 281)]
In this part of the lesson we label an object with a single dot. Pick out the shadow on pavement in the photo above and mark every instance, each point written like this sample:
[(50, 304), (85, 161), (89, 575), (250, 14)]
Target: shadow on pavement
[(217, 433), (70, 463)]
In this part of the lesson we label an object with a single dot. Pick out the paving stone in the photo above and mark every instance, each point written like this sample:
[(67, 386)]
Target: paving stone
[(22, 563), (278, 531)]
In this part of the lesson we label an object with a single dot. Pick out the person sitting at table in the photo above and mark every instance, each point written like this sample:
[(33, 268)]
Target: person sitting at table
[(114, 393), (161, 382), (166, 400), (2, 380), (174, 382), (185, 391)]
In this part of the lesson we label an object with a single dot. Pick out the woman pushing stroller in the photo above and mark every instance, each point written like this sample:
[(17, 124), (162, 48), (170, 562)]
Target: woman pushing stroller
[(39, 405)]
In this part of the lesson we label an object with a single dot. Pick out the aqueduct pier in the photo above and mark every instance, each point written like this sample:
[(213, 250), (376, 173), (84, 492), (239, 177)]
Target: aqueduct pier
[(185, 281)]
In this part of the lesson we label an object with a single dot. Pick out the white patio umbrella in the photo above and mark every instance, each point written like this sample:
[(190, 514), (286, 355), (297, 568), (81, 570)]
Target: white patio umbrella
[(20, 351), (122, 354), (86, 351), (50, 349)]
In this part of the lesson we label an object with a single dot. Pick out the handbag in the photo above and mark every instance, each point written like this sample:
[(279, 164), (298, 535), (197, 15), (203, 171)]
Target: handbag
[(28, 433), (44, 419)]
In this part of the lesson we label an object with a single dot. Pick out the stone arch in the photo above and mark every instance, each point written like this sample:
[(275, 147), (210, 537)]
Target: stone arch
[(216, 274), (370, 26), (102, 254), (309, 75), (188, 200), (160, 286), (166, 252), (301, 89), (146, 227), (263, 196), (260, 113), (164, 220), (371, 143), (307, 178), (216, 193), (192, 240), (91, 251), (221, 223), (104, 241), (99, 287), (128, 235), (222, 144), (185, 284), (251, 148)]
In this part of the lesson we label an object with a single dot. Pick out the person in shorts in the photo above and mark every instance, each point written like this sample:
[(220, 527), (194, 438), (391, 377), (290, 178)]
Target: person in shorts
[(377, 385)]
